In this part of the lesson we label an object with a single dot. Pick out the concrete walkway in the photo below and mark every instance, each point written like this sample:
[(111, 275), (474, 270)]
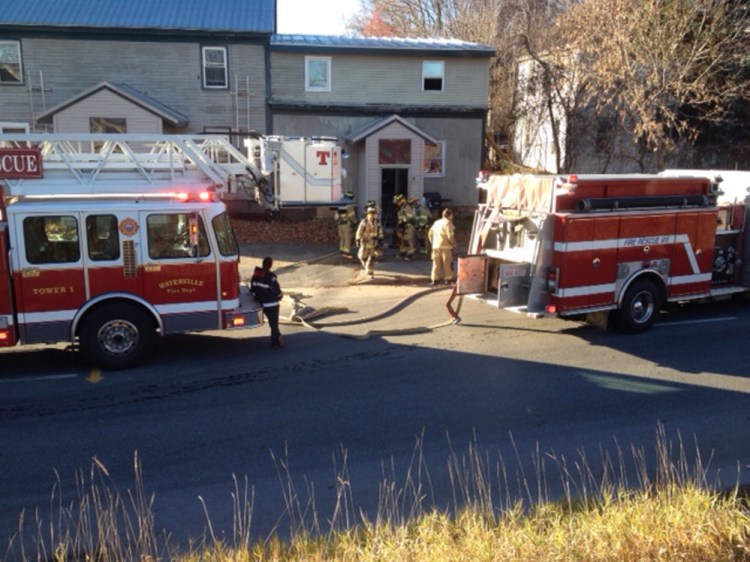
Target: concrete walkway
[(339, 297)]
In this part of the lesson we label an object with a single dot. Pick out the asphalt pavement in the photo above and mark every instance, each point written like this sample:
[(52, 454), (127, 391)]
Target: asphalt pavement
[(333, 292)]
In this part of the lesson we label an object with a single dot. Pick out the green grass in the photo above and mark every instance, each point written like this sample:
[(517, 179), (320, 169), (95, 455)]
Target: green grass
[(670, 514)]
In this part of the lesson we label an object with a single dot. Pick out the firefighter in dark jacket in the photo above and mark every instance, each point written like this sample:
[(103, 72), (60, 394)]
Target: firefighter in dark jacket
[(265, 288)]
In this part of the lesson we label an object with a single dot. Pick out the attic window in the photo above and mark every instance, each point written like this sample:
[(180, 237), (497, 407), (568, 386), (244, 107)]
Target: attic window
[(10, 63), (433, 74), (215, 68)]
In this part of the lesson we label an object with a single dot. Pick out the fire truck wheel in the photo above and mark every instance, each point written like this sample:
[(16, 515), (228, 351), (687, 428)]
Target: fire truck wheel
[(640, 306), (117, 336)]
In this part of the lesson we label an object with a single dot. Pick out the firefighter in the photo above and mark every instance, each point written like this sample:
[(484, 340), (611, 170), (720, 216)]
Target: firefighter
[(265, 288), (406, 232), (380, 248), (346, 222), (369, 240), (422, 221), (442, 239)]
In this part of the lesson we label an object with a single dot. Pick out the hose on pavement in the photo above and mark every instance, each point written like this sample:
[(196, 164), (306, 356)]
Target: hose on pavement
[(305, 318)]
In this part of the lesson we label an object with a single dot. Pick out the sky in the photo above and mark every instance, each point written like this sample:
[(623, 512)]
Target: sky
[(309, 17)]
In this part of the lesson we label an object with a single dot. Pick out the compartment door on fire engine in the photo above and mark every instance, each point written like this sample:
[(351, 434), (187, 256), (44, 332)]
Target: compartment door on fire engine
[(588, 273), (49, 280), (179, 271)]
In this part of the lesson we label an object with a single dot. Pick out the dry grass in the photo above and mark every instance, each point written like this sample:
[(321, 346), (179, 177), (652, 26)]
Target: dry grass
[(671, 514)]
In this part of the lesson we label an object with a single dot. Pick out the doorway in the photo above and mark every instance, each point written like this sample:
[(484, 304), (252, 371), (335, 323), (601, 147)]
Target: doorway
[(395, 181)]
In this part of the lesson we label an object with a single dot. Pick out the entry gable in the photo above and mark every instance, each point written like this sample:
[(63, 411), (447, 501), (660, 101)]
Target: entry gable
[(126, 92), (372, 128)]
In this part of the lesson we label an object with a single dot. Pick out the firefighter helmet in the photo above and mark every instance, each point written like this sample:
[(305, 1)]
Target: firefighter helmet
[(349, 195)]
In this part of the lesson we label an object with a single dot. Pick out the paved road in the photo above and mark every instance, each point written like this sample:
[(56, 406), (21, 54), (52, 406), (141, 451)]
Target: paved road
[(337, 407)]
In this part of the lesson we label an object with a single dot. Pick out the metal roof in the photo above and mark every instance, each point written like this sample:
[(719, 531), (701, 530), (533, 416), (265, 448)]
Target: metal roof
[(236, 16), (281, 42)]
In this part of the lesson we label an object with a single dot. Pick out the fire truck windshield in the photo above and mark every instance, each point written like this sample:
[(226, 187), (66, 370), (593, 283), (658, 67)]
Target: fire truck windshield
[(225, 235)]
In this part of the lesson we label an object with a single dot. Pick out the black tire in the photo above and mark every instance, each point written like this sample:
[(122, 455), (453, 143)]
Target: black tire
[(640, 306), (117, 336)]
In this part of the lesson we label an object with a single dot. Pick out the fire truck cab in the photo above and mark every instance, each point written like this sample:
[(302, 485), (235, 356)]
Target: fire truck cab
[(588, 246), (111, 266)]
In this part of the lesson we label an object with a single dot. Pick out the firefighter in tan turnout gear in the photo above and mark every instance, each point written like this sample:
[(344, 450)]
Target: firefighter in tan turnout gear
[(369, 240), (442, 239), (422, 221), (406, 232), (346, 223)]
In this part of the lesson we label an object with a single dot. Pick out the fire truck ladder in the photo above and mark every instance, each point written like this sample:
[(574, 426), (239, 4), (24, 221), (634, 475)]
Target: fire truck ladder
[(124, 163)]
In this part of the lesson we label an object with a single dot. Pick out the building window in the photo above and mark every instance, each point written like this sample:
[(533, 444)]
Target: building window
[(393, 152), (215, 67), (434, 157), (433, 73), (318, 74), (108, 125), (10, 63), (9, 127)]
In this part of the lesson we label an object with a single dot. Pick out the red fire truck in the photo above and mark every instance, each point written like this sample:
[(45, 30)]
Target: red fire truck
[(587, 246), (112, 250)]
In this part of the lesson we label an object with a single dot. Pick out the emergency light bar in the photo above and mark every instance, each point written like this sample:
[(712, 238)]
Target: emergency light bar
[(204, 196)]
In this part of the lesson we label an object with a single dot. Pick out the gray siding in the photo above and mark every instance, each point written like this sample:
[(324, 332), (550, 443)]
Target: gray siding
[(169, 72), (373, 169), (367, 79), (75, 119), (463, 156)]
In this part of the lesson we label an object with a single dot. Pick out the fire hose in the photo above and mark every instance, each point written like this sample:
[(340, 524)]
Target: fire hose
[(305, 318)]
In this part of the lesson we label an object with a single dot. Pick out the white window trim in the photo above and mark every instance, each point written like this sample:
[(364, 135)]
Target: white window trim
[(308, 87), (442, 75), (20, 60), (225, 67)]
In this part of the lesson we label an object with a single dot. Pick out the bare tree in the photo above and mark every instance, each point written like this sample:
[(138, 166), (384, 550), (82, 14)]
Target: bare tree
[(516, 28), (663, 67), (470, 20)]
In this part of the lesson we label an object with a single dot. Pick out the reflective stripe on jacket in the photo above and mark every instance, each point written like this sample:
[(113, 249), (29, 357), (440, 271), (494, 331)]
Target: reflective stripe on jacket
[(265, 287)]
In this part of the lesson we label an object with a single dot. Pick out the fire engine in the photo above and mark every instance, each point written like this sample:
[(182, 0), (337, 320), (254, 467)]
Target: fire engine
[(109, 247), (606, 247)]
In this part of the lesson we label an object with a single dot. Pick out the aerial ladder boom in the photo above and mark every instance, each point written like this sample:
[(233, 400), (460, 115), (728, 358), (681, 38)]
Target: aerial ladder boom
[(111, 163)]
